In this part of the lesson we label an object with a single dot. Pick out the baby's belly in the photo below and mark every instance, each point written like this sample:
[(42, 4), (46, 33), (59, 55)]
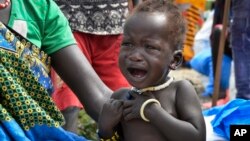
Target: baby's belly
[(143, 138), (138, 130)]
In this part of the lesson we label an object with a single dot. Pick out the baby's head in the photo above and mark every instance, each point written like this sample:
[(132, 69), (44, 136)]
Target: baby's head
[(152, 43), (175, 26)]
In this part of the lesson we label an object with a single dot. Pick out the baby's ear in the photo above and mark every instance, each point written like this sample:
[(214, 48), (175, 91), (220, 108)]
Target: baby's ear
[(177, 60)]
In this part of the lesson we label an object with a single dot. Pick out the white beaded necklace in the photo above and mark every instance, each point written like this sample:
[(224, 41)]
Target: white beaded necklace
[(153, 88)]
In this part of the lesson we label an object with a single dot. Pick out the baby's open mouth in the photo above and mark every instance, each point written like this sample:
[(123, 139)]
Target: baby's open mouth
[(139, 73)]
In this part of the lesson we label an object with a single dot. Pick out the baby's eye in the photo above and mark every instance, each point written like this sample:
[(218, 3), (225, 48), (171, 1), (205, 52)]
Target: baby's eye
[(151, 47), (128, 45)]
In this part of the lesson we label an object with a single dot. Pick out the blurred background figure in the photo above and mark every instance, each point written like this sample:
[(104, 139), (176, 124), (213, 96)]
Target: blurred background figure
[(192, 10), (203, 63), (240, 43), (97, 27)]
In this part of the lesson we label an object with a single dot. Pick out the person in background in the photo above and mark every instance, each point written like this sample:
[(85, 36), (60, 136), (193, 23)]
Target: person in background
[(202, 62), (192, 11), (240, 45), (215, 41), (97, 27)]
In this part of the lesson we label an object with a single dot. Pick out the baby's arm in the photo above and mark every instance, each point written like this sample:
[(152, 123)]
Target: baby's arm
[(190, 124), (110, 117), (111, 114)]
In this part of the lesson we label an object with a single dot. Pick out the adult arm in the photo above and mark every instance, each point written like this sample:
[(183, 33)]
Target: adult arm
[(78, 74), (190, 124)]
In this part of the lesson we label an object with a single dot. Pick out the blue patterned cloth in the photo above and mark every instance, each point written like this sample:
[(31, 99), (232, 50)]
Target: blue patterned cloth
[(27, 112)]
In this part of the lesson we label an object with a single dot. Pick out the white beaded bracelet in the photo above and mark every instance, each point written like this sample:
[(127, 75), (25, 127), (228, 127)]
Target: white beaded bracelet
[(145, 103)]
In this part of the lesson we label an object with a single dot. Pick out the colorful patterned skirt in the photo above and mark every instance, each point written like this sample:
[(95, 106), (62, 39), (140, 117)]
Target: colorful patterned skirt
[(27, 111)]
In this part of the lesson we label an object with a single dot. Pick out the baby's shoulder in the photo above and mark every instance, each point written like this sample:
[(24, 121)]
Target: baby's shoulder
[(183, 87), (182, 83)]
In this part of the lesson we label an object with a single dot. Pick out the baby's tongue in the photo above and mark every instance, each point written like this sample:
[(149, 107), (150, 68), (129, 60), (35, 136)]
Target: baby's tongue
[(138, 73)]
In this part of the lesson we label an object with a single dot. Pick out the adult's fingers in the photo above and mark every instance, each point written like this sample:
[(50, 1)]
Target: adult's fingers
[(117, 103), (127, 103), (111, 100), (126, 111), (133, 94)]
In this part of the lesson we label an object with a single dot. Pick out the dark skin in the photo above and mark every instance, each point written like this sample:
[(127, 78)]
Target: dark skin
[(83, 80), (145, 60), (79, 76)]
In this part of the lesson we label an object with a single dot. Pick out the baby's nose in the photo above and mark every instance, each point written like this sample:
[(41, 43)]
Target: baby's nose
[(136, 56)]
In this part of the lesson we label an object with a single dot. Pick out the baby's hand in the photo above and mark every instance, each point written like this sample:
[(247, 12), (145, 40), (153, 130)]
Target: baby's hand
[(110, 116), (131, 108)]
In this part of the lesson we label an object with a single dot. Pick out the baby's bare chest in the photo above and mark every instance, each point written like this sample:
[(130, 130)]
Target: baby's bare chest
[(168, 102)]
